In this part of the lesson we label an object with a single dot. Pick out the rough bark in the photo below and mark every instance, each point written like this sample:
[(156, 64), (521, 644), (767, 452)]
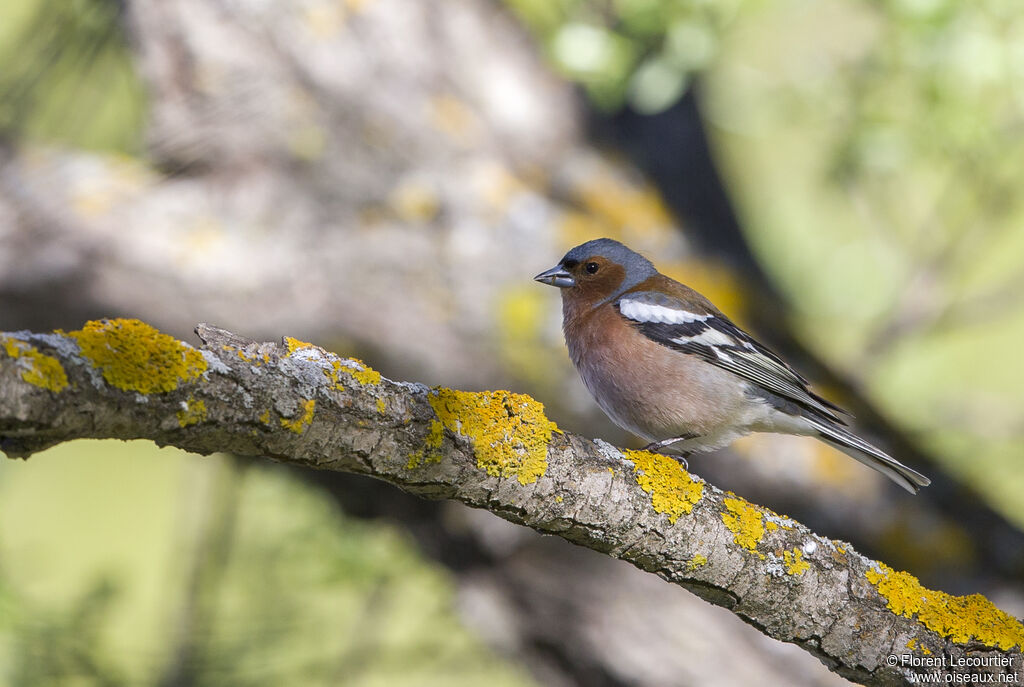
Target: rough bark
[(497, 450)]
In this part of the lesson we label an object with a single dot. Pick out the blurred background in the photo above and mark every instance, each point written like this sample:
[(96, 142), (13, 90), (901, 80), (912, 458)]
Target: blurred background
[(383, 178)]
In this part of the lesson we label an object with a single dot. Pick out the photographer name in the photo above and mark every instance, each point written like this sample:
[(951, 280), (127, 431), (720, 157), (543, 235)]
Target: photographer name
[(910, 660)]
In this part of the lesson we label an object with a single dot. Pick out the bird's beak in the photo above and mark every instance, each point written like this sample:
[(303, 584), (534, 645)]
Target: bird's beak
[(556, 276)]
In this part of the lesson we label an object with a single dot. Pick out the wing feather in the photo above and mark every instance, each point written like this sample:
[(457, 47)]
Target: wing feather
[(714, 338)]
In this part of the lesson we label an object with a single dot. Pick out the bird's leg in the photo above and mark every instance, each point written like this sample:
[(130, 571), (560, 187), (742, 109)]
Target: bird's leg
[(656, 447)]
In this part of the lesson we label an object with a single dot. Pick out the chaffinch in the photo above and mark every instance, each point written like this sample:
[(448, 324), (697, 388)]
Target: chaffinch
[(668, 366)]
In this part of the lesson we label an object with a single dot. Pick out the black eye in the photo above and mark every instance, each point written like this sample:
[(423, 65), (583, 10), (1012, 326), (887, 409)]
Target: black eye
[(591, 267)]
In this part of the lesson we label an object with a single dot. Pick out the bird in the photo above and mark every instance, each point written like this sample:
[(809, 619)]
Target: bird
[(668, 366)]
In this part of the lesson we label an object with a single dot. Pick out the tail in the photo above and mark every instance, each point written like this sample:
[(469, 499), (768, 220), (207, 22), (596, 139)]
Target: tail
[(857, 448)]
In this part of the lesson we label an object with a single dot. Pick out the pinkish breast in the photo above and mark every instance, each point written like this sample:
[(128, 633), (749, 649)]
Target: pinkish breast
[(646, 388)]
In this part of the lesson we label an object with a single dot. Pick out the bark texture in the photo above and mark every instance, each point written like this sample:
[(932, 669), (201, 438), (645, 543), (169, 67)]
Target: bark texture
[(496, 450)]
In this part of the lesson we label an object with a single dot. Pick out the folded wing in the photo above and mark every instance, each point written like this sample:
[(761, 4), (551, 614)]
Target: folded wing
[(709, 335)]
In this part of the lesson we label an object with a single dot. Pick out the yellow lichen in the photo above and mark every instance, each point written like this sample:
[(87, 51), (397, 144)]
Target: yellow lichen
[(300, 423), (559, 499), (332, 374), (436, 435), (365, 375), (698, 561), (265, 416), (746, 522), (296, 345), (962, 619), (429, 453), (913, 644), (510, 432), (193, 412), (253, 359), (673, 491), (795, 563), (134, 356), (382, 407), (359, 371), (42, 370)]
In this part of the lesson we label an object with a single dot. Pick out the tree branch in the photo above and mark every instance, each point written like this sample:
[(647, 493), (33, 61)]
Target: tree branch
[(496, 450)]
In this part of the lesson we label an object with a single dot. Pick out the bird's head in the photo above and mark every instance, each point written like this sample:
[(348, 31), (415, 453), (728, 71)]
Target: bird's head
[(597, 271)]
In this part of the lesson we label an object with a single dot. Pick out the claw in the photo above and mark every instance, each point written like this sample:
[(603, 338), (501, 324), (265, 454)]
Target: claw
[(657, 446)]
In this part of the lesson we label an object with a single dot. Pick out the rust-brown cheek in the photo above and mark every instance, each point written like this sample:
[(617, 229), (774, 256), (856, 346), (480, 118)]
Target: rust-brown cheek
[(593, 288)]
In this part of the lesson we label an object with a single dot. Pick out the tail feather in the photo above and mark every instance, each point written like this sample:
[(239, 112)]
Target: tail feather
[(873, 457)]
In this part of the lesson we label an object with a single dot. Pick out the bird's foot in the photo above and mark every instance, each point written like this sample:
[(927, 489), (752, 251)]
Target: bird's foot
[(657, 446)]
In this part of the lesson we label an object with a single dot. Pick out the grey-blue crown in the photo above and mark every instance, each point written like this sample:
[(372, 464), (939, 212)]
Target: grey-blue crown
[(638, 268)]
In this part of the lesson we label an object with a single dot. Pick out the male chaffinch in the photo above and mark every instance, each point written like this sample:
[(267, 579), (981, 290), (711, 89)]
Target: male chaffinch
[(668, 366)]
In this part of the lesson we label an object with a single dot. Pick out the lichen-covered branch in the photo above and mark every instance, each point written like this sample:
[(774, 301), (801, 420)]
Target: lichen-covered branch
[(497, 450)]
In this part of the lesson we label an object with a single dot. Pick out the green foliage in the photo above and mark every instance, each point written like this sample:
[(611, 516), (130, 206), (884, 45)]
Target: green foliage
[(61, 647), (66, 74), (227, 573), (639, 51), (875, 152)]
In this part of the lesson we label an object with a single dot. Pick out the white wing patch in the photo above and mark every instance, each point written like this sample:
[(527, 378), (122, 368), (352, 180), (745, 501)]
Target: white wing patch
[(708, 337), (638, 311), (718, 341)]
